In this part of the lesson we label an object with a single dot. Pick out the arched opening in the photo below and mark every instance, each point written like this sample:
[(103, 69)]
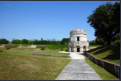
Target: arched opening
[(78, 48), (84, 47), (77, 38)]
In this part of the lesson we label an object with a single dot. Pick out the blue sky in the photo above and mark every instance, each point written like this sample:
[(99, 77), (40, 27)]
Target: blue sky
[(45, 19)]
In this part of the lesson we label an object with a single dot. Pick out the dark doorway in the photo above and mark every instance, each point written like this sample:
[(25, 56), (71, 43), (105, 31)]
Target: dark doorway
[(77, 38), (78, 49)]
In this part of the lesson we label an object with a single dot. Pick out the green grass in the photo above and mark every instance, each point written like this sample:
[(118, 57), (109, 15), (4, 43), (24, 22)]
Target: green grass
[(95, 45), (107, 53), (19, 65), (26, 45), (53, 52), (105, 75), (53, 47)]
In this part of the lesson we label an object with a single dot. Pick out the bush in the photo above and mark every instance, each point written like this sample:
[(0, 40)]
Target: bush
[(8, 48), (117, 43), (11, 46), (25, 45), (42, 48), (1, 50), (38, 46), (63, 49), (92, 43), (112, 44)]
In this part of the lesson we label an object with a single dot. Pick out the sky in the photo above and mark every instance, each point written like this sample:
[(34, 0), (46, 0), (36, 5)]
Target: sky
[(45, 19)]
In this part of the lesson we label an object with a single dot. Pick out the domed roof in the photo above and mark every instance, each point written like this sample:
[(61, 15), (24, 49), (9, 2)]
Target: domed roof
[(78, 31)]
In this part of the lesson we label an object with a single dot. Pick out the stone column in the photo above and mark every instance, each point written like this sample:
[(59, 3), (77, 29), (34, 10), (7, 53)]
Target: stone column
[(81, 49), (75, 50), (69, 49)]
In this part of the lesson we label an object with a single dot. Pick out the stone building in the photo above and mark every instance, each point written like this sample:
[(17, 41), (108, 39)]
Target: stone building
[(78, 41)]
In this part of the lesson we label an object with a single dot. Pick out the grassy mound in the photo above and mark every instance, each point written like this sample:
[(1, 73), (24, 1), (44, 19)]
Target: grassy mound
[(111, 54)]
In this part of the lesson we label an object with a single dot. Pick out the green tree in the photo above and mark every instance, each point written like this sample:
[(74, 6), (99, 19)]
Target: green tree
[(106, 21), (4, 41), (16, 41), (24, 41), (64, 40), (100, 41), (117, 37)]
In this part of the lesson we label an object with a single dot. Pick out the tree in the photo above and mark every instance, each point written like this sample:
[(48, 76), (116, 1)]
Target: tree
[(24, 41), (4, 41), (100, 41), (106, 21), (117, 37), (16, 41), (64, 40)]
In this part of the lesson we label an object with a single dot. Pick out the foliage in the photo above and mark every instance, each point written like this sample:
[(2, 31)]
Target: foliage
[(64, 41), (92, 43), (100, 41), (24, 41), (39, 46), (64, 49), (1, 50), (117, 43), (25, 45), (4, 41), (106, 21), (37, 41), (42, 48), (54, 46), (11, 46), (8, 48), (30, 42), (117, 37), (16, 41)]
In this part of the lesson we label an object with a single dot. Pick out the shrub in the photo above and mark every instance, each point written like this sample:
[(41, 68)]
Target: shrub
[(1, 50), (63, 49), (42, 48), (112, 44), (8, 48), (11, 46), (25, 45), (92, 43), (38, 46), (117, 43)]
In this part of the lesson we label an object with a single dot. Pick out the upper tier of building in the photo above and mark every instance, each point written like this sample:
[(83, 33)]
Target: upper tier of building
[(78, 31)]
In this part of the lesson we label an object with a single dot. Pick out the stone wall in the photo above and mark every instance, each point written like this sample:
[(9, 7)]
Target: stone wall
[(110, 67)]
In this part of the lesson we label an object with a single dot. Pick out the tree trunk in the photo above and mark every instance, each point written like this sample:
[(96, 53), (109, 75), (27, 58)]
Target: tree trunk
[(109, 41)]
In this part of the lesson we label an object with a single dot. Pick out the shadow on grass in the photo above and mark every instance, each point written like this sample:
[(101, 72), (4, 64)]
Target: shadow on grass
[(113, 55)]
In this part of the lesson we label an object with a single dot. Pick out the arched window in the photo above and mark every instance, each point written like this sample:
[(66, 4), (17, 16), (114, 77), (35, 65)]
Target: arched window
[(77, 38)]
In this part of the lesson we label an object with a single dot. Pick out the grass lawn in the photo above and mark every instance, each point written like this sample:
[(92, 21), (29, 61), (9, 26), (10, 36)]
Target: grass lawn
[(95, 45), (19, 65), (53, 52), (107, 53), (105, 75)]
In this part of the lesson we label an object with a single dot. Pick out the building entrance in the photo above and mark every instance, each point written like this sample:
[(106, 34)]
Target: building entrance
[(78, 49)]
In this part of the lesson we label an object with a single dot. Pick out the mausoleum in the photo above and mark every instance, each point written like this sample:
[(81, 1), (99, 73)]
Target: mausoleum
[(78, 41)]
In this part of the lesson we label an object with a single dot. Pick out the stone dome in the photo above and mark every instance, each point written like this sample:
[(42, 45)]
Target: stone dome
[(78, 31)]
